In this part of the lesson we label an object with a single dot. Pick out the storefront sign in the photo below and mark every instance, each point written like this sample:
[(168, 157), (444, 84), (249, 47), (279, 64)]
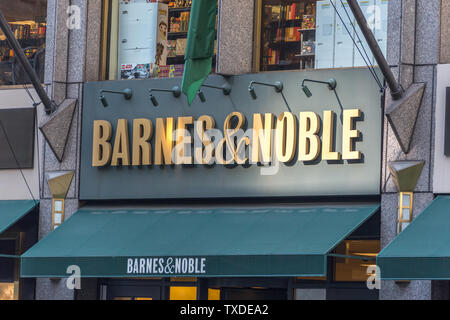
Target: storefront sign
[(233, 146), (267, 141), (166, 266)]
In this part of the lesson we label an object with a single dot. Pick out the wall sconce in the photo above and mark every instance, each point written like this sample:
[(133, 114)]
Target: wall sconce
[(405, 175), (127, 93), (226, 90), (331, 83), (176, 91), (202, 96), (278, 85), (59, 184)]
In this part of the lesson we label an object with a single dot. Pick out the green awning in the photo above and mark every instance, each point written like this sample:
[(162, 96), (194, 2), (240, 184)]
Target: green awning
[(195, 242), (422, 250), (11, 211)]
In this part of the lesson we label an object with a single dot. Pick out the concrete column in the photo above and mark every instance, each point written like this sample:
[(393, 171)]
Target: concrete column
[(72, 57), (445, 32), (413, 41), (235, 37)]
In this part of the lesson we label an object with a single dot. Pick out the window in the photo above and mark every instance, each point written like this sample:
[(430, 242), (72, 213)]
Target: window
[(9, 285), (130, 51), (309, 34), (183, 293), (8, 291), (27, 19), (351, 269)]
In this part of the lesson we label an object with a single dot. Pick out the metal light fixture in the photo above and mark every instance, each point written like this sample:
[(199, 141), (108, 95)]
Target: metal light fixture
[(331, 83), (201, 95), (306, 91), (59, 184), (104, 101), (278, 85), (226, 90), (176, 91), (127, 93), (405, 175)]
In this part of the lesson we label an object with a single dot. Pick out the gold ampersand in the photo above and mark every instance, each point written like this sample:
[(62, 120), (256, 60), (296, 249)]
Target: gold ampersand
[(228, 139)]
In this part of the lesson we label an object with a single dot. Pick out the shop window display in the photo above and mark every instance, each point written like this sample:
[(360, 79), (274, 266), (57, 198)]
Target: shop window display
[(27, 20), (145, 38), (8, 274), (309, 34), (355, 270)]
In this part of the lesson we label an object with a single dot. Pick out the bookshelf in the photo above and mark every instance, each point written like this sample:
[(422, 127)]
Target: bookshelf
[(30, 35), (288, 35), (179, 15)]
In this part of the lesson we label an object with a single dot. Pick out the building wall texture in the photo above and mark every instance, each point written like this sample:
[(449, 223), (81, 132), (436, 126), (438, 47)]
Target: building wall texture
[(69, 63), (413, 54)]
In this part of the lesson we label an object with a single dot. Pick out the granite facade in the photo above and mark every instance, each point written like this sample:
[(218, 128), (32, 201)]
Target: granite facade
[(64, 75), (235, 37), (413, 52), (444, 43)]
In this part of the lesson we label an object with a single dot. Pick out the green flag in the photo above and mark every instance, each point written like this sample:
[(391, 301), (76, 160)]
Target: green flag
[(199, 47)]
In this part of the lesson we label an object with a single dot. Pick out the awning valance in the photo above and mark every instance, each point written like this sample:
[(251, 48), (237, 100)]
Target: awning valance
[(422, 250), (195, 242), (11, 211)]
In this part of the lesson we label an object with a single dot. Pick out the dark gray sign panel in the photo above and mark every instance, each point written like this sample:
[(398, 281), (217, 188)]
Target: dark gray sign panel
[(356, 90), (447, 122), (19, 127)]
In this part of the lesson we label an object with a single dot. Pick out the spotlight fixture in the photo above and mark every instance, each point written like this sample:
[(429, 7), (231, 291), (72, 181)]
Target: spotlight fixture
[(201, 95), (154, 100), (127, 93), (104, 101), (226, 90), (252, 92), (331, 83), (176, 91), (307, 91), (278, 85)]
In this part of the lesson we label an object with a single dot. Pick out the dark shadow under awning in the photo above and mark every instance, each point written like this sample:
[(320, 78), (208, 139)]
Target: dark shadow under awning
[(195, 242), (11, 211)]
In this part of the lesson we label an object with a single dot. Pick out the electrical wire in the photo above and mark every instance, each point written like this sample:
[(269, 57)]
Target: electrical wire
[(372, 71), (16, 160), (359, 39), (38, 149), (35, 104)]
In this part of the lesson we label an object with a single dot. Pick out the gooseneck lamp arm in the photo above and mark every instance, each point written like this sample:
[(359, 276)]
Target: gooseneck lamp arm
[(127, 93), (176, 91), (277, 85), (226, 88), (331, 83)]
